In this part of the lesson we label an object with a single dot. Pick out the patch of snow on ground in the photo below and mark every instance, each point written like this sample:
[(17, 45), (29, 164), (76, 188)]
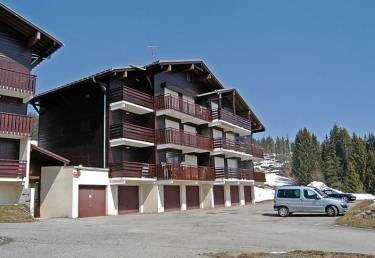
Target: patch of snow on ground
[(272, 179), (263, 194), (364, 196)]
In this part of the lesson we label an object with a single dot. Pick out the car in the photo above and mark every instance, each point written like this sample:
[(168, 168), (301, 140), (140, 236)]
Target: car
[(304, 199), (347, 197)]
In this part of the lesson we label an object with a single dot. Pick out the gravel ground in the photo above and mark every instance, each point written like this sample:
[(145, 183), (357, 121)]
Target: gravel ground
[(254, 228)]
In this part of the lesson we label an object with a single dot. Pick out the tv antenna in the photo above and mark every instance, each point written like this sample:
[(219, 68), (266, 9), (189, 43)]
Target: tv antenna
[(154, 50)]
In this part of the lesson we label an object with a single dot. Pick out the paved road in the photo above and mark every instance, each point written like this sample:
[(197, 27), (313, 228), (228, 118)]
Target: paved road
[(182, 234)]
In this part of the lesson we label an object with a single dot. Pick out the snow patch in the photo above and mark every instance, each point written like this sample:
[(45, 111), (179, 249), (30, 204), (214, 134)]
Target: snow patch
[(263, 194), (364, 196)]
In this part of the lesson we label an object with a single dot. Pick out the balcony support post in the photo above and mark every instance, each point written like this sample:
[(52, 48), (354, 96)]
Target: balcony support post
[(183, 197), (227, 198), (241, 190), (206, 196)]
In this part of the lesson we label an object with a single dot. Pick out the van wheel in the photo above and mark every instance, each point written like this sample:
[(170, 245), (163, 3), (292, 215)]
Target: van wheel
[(283, 211), (331, 211)]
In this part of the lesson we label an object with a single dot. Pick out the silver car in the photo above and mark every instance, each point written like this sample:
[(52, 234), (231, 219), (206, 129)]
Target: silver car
[(304, 199)]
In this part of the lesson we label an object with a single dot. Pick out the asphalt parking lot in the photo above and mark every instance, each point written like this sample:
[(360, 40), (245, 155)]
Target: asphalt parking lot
[(182, 234)]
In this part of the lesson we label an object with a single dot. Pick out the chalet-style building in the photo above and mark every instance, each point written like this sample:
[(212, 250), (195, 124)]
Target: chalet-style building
[(165, 136), (22, 47)]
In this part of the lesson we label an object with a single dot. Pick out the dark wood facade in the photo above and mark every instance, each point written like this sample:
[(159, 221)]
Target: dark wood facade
[(77, 121)]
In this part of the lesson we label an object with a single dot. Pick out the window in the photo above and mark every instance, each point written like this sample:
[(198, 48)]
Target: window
[(328, 192), (309, 194), (289, 193)]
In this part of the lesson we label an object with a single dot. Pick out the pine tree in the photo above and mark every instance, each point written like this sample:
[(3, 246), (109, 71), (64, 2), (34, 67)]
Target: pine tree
[(352, 183), (305, 159), (370, 167), (359, 157), (330, 165)]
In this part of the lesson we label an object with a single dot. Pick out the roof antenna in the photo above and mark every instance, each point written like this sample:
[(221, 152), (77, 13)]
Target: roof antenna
[(154, 50)]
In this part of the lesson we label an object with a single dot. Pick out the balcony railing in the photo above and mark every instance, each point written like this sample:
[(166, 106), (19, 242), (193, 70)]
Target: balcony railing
[(240, 146), (231, 118), (12, 168), (132, 169), (234, 173), (259, 177), (185, 172), (133, 96), (14, 124), (17, 81), (181, 105), (131, 131), (174, 136)]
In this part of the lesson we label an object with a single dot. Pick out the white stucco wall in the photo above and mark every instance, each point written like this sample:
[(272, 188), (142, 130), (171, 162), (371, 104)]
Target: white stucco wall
[(10, 192), (56, 192)]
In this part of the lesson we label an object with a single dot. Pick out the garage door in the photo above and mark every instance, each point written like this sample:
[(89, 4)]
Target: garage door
[(128, 199), (247, 190), (234, 194), (192, 197), (218, 195), (171, 197), (91, 201)]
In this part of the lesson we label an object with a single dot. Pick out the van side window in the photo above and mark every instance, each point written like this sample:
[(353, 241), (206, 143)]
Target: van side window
[(289, 193), (309, 194)]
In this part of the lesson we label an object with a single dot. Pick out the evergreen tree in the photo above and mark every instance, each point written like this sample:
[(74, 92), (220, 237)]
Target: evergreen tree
[(352, 182), (305, 159), (330, 164), (369, 182), (359, 157)]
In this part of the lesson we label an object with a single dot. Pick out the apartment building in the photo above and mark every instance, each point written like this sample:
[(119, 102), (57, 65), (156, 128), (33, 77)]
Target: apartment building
[(22, 47), (165, 136)]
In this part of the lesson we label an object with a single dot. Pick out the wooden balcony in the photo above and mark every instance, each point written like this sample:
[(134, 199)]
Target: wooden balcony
[(15, 169), (241, 149), (132, 169), (234, 173), (173, 138), (232, 145), (135, 135), (233, 122), (257, 152), (15, 125), (182, 109), (185, 172), (130, 97), (17, 81), (259, 177)]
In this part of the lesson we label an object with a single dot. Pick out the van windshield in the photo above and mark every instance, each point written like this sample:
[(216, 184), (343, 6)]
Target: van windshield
[(323, 194)]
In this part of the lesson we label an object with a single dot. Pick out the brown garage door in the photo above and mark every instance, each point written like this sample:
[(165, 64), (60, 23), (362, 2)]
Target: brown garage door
[(128, 199), (171, 197), (91, 201), (192, 197), (234, 194), (247, 190), (218, 195)]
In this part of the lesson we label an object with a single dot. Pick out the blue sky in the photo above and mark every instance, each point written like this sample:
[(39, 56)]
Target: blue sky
[(298, 63)]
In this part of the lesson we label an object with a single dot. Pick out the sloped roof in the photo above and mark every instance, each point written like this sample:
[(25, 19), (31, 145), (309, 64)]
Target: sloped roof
[(42, 48)]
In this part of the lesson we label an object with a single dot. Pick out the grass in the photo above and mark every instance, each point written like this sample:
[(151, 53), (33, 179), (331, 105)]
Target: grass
[(14, 214), (349, 218), (297, 253)]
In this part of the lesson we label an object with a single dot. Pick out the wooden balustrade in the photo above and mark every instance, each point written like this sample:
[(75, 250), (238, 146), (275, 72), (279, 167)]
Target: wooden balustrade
[(132, 95), (132, 169), (257, 152), (227, 116), (131, 131), (240, 146), (259, 177), (234, 173), (169, 101), (17, 81), (174, 136), (14, 124), (185, 172), (12, 168)]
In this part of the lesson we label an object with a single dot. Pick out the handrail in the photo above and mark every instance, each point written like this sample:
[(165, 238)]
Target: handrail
[(132, 169), (185, 172), (174, 136), (240, 146), (132, 95), (225, 115), (17, 81), (132, 131), (12, 168), (234, 173), (15, 124), (169, 101)]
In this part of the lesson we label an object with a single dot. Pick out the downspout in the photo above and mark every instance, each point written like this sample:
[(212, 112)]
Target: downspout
[(103, 88)]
